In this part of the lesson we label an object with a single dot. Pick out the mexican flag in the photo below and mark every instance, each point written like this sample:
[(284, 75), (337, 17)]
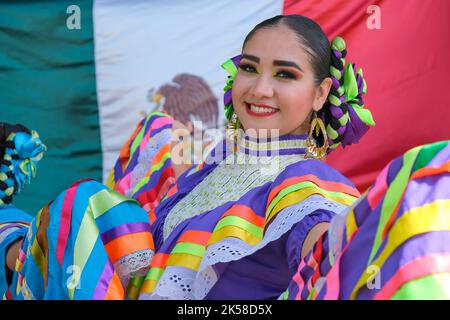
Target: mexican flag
[(84, 73)]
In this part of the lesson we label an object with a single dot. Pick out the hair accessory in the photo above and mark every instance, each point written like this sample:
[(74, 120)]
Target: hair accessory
[(346, 120), (23, 151)]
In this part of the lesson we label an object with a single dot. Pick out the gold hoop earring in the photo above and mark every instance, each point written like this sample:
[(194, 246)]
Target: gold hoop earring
[(312, 150), (233, 132)]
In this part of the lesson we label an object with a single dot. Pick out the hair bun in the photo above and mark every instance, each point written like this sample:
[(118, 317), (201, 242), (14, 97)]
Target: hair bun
[(344, 115)]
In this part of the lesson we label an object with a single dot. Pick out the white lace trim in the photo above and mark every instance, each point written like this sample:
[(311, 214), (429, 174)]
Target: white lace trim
[(231, 249), (133, 264), (175, 284)]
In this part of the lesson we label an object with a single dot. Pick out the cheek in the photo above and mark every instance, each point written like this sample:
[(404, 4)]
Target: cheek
[(297, 102), (240, 87)]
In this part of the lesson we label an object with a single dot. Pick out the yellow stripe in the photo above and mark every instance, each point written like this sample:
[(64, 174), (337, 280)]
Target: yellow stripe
[(350, 224), (184, 260), (434, 216), (84, 243), (300, 195), (233, 231), (148, 286)]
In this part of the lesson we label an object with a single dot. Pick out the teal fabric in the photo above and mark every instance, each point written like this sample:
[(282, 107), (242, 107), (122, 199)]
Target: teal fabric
[(47, 83)]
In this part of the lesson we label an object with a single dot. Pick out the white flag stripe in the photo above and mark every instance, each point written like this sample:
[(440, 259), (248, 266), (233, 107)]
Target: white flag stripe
[(144, 44)]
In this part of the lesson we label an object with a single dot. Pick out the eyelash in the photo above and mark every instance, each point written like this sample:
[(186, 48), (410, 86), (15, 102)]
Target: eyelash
[(282, 74)]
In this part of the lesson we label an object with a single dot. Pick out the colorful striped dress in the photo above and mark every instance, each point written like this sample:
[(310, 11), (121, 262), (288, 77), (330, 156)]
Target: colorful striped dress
[(394, 243), (237, 209), (231, 227)]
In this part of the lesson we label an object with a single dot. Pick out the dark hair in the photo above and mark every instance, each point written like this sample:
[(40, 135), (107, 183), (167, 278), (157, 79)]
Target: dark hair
[(310, 35), (343, 114), (13, 177), (5, 130)]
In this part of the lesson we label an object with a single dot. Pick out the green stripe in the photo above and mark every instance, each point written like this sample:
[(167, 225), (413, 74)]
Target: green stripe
[(155, 167), (47, 83), (88, 233), (393, 196), (430, 287), (106, 199), (137, 140), (189, 248), (241, 223), (427, 153), (154, 273), (302, 185)]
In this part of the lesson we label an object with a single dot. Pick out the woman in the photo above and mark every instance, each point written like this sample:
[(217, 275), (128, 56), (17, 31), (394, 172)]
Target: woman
[(228, 185), (20, 151), (237, 226)]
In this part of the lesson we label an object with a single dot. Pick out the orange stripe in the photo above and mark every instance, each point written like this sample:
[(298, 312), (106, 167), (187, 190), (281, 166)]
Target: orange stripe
[(115, 289), (327, 185), (195, 236), (125, 152), (172, 191), (159, 260), (431, 171), (152, 216), (157, 157), (129, 243), (246, 213)]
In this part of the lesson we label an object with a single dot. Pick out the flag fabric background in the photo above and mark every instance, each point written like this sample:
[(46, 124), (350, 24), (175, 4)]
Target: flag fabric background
[(84, 90)]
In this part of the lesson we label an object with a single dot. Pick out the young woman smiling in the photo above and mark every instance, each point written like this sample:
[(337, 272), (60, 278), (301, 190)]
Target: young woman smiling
[(234, 226)]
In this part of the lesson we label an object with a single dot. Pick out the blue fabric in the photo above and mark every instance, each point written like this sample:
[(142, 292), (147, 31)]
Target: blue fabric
[(8, 215)]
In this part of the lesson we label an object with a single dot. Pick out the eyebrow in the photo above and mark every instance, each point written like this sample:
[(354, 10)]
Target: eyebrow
[(278, 63), (250, 57), (283, 63)]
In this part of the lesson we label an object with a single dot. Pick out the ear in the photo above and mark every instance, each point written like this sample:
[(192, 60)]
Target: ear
[(322, 92)]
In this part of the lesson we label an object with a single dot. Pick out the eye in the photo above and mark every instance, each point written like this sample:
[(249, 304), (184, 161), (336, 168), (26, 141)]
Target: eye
[(283, 74), (247, 68)]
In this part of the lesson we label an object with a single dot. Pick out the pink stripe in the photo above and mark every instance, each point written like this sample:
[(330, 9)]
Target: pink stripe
[(157, 123), (299, 280), (66, 220), (418, 268), (332, 281), (124, 184), (379, 189), (151, 205)]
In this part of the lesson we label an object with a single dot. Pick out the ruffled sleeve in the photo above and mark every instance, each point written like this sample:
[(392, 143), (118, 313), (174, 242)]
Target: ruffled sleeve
[(13, 226), (299, 233)]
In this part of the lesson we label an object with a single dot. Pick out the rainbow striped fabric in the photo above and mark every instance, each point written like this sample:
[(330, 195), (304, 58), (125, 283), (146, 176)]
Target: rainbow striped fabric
[(143, 170), (80, 246), (394, 243), (14, 225), (185, 252)]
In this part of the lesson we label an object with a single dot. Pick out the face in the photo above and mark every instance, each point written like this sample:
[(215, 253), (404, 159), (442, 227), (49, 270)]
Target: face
[(274, 87)]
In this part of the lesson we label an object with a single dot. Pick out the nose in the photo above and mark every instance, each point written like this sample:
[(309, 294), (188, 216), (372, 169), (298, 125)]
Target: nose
[(262, 88)]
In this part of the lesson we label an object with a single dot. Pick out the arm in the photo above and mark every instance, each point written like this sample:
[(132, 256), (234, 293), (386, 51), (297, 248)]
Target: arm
[(13, 254), (312, 237)]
